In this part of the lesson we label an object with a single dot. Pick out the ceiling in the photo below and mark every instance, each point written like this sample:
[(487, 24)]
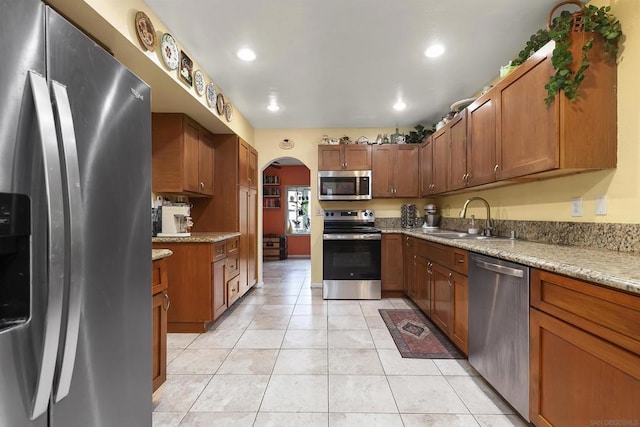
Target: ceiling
[(344, 63)]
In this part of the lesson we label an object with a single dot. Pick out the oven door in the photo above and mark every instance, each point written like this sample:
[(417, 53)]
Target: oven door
[(351, 266)]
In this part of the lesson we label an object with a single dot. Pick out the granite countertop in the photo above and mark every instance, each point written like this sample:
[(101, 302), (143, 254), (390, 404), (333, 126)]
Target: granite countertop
[(208, 237), (613, 269), (157, 254)]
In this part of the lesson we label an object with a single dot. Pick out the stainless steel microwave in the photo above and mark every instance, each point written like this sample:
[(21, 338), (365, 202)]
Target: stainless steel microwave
[(344, 185)]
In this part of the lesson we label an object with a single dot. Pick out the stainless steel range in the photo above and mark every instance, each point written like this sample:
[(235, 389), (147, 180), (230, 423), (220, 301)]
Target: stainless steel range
[(351, 255)]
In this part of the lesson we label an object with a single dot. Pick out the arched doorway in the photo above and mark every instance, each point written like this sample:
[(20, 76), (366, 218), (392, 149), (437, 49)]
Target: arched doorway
[(286, 209)]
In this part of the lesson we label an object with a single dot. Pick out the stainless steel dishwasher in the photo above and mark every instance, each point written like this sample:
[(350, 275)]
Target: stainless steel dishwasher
[(499, 327)]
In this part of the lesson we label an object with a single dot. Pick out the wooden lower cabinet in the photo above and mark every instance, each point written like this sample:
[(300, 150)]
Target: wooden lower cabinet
[(392, 262), (198, 283), (580, 379), (584, 352), (436, 281), (160, 304)]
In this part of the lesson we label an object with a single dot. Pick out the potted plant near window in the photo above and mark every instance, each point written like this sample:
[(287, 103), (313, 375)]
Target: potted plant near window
[(567, 28)]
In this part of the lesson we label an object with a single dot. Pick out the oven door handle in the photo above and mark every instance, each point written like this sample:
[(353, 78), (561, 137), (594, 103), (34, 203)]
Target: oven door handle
[(351, 236)]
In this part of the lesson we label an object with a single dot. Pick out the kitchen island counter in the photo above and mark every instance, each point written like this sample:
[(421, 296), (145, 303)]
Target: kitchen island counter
[(617, 270), (200, 237), (157, 254)]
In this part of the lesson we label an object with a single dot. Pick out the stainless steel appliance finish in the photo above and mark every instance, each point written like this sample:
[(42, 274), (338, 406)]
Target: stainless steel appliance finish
[(499, 327), (75, 146), (344, 185), (351, 251)]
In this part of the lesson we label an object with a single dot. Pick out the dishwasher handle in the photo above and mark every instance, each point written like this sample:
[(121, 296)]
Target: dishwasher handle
[(500, 268)]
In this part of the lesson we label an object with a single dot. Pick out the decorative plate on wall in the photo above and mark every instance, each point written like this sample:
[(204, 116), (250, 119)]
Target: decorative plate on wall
[(169, 51), (186, 69), (228, 111), (198, 82), (212, 95), (145, 31), (220, 104)]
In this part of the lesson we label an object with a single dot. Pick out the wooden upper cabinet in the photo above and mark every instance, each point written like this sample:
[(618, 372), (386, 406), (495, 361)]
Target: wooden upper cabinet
[(481, 141), (182, 153), (426, 167), (253, 168), (247, 165), (457, 176), (395, 170), (441, 153), (564, 137), (344, 157)]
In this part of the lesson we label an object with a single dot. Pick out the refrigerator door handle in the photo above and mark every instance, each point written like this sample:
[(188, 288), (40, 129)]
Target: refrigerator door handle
[(76, 277), (56, 242)]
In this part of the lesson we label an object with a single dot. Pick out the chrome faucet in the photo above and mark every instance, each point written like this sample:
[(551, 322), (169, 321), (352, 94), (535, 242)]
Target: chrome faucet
[(463, 213)]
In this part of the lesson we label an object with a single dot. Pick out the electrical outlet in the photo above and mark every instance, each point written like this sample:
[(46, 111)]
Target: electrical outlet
[(601, 205), (319, 211), (576, 206)]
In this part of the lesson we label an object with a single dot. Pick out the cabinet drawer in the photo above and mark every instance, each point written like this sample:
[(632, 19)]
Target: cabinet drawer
[(159, 276), (233, 245), (607, 313), (233, 290), (233, 266), (219, 251), (440, 254), (460, 261)]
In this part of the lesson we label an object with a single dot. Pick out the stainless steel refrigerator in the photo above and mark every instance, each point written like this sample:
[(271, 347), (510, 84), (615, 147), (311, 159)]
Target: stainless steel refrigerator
[(75, 231)]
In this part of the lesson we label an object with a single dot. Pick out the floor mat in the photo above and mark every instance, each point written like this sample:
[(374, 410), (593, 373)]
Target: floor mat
[(417, 337)]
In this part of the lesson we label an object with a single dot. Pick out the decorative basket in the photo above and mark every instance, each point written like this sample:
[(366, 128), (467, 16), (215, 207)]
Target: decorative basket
[(576, 24)]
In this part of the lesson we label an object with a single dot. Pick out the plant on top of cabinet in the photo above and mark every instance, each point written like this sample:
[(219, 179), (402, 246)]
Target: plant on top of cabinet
[(420, 133), (564, 30)]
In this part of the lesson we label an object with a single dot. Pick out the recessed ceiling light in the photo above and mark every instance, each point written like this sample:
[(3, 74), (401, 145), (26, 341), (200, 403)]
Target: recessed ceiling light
[(273, 107), (246, 54), (434, 51), (399, 106)]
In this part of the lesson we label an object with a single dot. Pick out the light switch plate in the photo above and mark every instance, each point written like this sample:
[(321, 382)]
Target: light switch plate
[(601, 205), (576, 206)]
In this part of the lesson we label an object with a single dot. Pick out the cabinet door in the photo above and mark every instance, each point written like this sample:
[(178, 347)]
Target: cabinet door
[(481, 141), (252, 237), (392, 263), (442, 298), (382, 170), (243, 218), (357, 157), (330, 158), (408, 253), (423, 285), (190, 159), (205, 163), (406, 182), (440, 160), (458, 152), (253, 168), (219, 287), (426, 167), (243, 163), (579, 379), (460, 324), (527, 132), (159, 339)]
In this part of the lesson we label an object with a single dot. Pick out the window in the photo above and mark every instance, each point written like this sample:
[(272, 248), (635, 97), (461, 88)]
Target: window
[(297, 216)]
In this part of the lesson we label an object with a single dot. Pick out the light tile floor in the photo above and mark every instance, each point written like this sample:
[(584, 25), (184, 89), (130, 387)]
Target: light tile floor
[(283, 356)]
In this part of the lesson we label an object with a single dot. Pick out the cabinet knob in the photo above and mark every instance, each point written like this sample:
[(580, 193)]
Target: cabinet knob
[(167, 301), (201, 184), (495, 170)]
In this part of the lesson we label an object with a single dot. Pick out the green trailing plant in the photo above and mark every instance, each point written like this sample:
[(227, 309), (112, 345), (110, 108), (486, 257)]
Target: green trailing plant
[(594, 20), (419, 134)]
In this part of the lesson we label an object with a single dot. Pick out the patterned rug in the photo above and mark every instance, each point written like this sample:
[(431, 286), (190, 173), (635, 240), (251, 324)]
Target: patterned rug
[(417, 337)]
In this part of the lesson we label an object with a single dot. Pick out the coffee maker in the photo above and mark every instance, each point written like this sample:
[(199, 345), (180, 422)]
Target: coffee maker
[(431, 217), (176, 221)]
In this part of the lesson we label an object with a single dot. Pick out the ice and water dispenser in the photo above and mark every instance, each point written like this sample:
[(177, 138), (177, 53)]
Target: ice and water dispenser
[(15, 230)]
